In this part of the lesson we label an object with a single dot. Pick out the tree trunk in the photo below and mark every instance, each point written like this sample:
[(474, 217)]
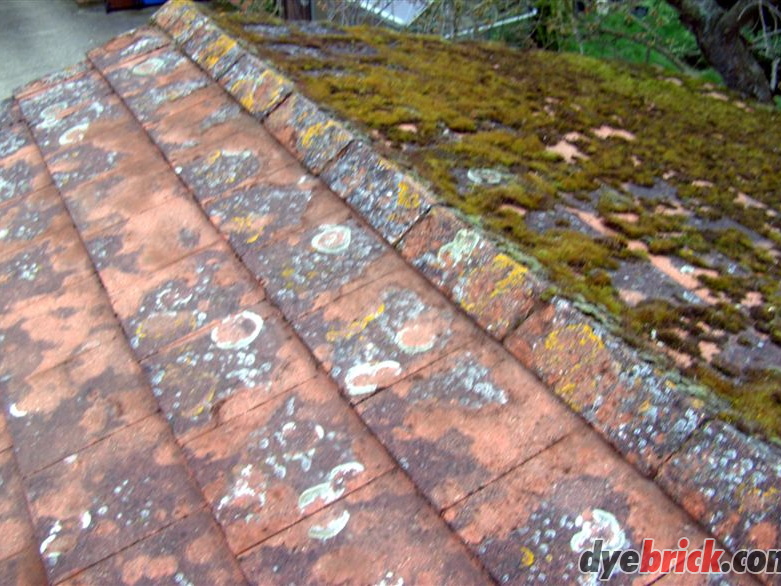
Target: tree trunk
[(718, 35)]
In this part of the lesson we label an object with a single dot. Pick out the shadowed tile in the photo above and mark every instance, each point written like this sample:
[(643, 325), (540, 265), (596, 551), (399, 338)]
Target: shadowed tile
[(118, 197), (15, 525), (23, 569), (382, 332), (383, 533), (180, 298), (286, 201), (466, 420), (191, 551), (128, 46), (237, 161), (719, 467), (42, 335), (75, 404), (127, 252), (27, 220), (237, 363), (110, 496), (309, 269), (534, 522), (267, 469)]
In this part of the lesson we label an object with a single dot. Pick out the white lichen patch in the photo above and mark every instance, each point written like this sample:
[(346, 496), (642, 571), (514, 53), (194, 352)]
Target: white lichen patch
[(362, 379), (330, 529), (332, 239)]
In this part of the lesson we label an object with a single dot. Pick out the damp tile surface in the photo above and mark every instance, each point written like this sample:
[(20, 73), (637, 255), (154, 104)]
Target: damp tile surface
[(283, 461), (190, 551), (464, 421), (381, 533), (236, 363), (383, 332), (309, 269), (109, 496), (64, 409), (561, 501), (179, 299)]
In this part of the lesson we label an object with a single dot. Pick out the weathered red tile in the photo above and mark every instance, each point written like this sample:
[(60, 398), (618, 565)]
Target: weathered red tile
[(212, 49), (232, 163), (128, 46), (255, 85), (170, 13), (286, 201), (53, 100), (188, 19), (62, 100), (183, 297), (156, 80), (382, 332), (42, 270), (239, 362), (23, 569), (266, 470), (117, 197), (149, 71), (63, 410), (15, 525), (729, 482), (27, 220), (308, 269), (383, 533), (5, 438), (13, 139), (127, 252), (489, 285), (110, 496), (635, 407), (75, 125), (39, 336), (106, 149), (191, 551), (22, 173), (533, 524), (10, 113), (180, 104), (210, 118), (388, 199), (466, 420), (313, 136)]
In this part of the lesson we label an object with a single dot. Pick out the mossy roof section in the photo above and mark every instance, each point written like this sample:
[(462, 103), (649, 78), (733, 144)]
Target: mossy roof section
[(651, 198)]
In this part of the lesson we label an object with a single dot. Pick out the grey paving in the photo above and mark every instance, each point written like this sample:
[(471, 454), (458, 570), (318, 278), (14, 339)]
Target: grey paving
[(41, 36)]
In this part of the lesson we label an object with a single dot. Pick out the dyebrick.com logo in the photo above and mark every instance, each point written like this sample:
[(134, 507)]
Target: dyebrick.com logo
[(649, 560)]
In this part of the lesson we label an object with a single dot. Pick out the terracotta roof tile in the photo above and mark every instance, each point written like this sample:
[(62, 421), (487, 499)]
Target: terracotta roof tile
[(217, 365)]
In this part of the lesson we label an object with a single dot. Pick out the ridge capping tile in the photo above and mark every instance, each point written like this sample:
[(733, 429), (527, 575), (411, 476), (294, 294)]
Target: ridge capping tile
[(369, 183)]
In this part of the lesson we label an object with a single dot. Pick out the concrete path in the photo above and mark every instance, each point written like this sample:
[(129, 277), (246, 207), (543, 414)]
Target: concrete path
[(41, 36)]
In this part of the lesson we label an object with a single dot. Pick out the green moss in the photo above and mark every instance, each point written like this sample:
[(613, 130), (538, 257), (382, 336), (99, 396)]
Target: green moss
[(447, 107)]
